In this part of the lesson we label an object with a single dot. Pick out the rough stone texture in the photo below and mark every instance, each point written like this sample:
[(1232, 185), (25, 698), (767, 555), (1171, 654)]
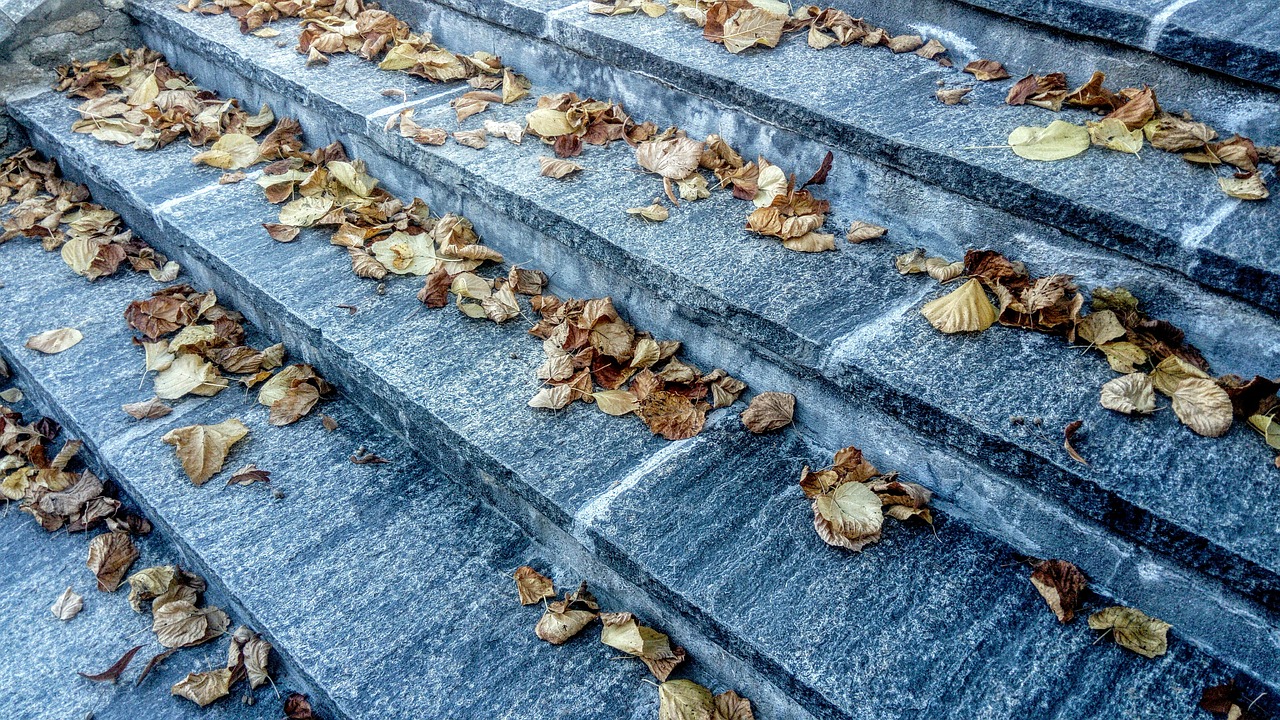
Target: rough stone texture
[(689, 268), (385, 585), (1162, 218), (39, 35), (1237, 37)]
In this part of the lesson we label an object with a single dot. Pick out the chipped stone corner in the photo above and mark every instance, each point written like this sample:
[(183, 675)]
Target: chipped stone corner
[(36, 36)]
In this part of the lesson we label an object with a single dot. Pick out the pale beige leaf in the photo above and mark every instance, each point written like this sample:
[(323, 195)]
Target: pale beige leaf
[(203, 448), (232, 151), (1058, 141), (965, 309), (860, 232), (684, 700), (1203, 406), (203, 688), (189, 374), (1129, 394), (68, 605), (557, 168), (52, 342), (1133, 629), (616, 402), (1171, 372)]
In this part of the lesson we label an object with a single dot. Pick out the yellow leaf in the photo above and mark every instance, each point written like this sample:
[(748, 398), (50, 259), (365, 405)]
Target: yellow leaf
[(1057, 141), (616, 402), (230, 152), (1203, 406), (1113, 134), (965, 309), (1133, 629), (188, 374)]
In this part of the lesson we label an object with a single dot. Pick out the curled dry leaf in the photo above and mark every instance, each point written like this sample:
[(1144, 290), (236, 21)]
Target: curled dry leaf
[(685, 700), (1170, 373), (1058, 141), (52, 342), (110, 555), (860, 232), (769, 411), (986, 70), (623, 632), (850, 516), (671, 415), (532, 585), (1068, 435), (203, 688), (654, 212), (1113, 134), (1203, 406), (557, 168), (248, 475), (673, 158), (179, 623), (68, 605), (953, 96), (1246, 187), (189, 374), (1133, 629), (472, 138), (147, 409), (565, 618), (1129, 394), (1060, 583), (203, 448), (965, 309), (117, 668), (250, 654)]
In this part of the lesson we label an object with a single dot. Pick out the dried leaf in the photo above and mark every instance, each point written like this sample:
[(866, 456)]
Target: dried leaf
[(965, 309), (1203, 406), (52, 342), (1068, 434), (1058, 141), (1129, 394), (110, 555), (557, 168), (1115, 135), (860, 232), (203, 448), (769, 411), (532, 585), (203, 688), (674, 158), (248, 475), (179, 623), (673, 416), (117, 668), (685, 700), (953, 96), (68, 605), (189, 374), (655, 212), (850, 516), (987, 70), (1133, 629), (616, 402), (1171, 372), (1248, 187), (1060, 584), (565, 618), (147, 409)]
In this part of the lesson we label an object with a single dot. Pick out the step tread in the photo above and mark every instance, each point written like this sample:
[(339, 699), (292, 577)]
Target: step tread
[(387, 584), (657, 538), (691, 269)]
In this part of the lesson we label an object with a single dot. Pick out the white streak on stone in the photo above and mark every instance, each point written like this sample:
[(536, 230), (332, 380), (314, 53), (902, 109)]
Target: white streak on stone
[(599, 505), (1158, 23), (1194, 236), (954, 42), (199, 192), (383, 112)]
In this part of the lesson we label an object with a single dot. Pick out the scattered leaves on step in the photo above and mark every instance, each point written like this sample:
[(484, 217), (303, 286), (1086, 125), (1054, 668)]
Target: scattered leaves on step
[(203, 448), (986, 70), (203, 688), (1133, 629), (965, 309), (533, 586), (1061, 584), (1130, 394), (622, 631), (769, 411), (117, 668), (110, 556), (851, 498), (52, 342), (1057, 141), (565, 618), (68, 605)]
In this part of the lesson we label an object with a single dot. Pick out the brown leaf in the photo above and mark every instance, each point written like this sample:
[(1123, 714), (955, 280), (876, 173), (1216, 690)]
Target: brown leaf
[(153, 663), (296, 707), (1060, 584), (555, 168), (147, 409), (282, 233), (52, 342), (117, 669), (532, 585), (203, 688), (820, 176), (1069, 433), (623, 632), (1129, 394), (202, 448), (110, 555), (673, 416), (987, 70), (674, 158), (179, 623), (860, 232), (249, 474), (769, 411)]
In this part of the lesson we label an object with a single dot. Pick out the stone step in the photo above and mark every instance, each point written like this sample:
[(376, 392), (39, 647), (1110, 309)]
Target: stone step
[(332, 570), (1236, 38), (385, 588), (870, 344), (880, 107)]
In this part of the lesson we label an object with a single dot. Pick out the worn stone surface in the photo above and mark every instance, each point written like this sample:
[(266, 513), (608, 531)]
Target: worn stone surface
[(1237, 37), (689, 268), (39, 35), (386, 585)]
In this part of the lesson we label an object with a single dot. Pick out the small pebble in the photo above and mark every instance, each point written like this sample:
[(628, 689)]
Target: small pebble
[(277, 494)]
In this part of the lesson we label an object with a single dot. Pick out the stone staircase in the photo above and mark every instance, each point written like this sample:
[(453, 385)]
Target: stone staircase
[(383, 587)]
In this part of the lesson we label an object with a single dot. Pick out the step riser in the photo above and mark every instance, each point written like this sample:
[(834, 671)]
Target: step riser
[(984, 498), (1165, 249), (499, 219), (218, 594)]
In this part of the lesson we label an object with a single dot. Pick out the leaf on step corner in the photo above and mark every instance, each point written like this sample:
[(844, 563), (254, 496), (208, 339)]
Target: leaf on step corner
[(565, 618), (987, 70), (532, 586), (1061, 584), (1133, 629), (203, 688), (1068, 435), (110, 556), (769, 411)]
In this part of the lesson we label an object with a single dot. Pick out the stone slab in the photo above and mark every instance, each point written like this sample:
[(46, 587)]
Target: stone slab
[(504, 178), (1236, 37)]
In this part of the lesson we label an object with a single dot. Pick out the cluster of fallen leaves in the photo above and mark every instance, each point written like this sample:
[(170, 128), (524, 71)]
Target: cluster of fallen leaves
[(1153, 355), (851, 499), (1063, 586), (330, 27), (742, 24), (587, 344), (92, 239), (1131, 117), (563, 619)]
